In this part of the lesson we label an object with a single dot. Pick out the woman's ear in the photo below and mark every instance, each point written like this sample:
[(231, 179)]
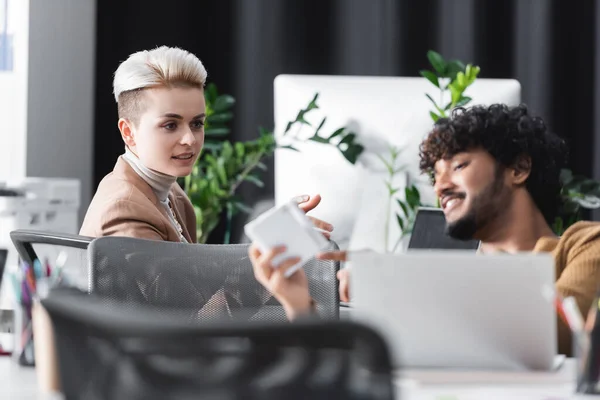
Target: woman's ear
[(521, 170), (127, 132)]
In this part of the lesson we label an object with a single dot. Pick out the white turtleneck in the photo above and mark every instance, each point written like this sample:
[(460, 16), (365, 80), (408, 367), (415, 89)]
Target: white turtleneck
[(160, 183)]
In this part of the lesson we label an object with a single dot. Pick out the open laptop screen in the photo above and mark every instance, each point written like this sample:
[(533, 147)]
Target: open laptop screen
[(429, 232), (3, 256)]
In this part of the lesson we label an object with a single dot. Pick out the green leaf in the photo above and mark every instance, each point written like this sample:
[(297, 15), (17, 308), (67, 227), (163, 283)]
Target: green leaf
[(412, 197), (353, 152), (320, 125), (435, 105), (289, 147), (212, 132), (221, 171), (437, 62), (220, 118), (348, 139), (455, 93), (391, 190), (461, 80), (475, 72), (313, 103), (300, 118), (255, 180), (434, 116), (590, 187), (430, 76), (403, 206), (262, 132), (566, 176), (212, 145), (462, 101), (454, 67), (240, 149), (288, 127), (223, 103), (416, 194), (261, 166), (318, 139), (471, 73), (400, 222), (336, 133), (432, 100)]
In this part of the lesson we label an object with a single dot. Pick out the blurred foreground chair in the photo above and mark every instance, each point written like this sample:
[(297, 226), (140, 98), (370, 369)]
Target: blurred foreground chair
[(106, 352)]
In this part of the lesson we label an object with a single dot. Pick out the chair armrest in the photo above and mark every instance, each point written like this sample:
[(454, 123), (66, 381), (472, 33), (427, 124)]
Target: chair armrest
[(24, 239)]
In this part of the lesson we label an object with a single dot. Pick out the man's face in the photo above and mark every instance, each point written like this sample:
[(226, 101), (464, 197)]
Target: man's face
[(170, 132), (472, 192)]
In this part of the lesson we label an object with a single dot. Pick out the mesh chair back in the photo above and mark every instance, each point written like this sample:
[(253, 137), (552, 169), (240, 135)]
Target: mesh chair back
[(46, 246), (207, 280), (107, 352)]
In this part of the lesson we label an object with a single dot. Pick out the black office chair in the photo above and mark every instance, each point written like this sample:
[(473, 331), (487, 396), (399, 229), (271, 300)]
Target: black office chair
[(41, 245), (106, 352), (208, 281)]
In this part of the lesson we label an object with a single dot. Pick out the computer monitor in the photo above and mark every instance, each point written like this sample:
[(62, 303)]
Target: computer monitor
[(382, 111), (429, 233)]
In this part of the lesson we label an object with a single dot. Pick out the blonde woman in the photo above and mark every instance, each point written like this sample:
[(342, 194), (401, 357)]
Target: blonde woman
[(160, 99)]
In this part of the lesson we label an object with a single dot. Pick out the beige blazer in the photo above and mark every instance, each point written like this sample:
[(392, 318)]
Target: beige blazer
[(125, 205)]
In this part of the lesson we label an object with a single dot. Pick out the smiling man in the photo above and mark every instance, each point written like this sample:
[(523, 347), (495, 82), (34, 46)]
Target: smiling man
[(496, 172)]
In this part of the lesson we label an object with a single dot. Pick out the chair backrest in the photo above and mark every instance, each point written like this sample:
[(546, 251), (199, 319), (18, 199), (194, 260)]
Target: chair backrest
[(207, 280), (108, 352), (41, 245)]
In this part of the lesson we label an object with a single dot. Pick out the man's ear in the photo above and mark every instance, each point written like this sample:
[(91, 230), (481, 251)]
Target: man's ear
[(521, 170), (127, 132)]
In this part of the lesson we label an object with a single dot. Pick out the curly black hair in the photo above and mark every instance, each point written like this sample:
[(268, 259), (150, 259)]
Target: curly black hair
[(511, 135)]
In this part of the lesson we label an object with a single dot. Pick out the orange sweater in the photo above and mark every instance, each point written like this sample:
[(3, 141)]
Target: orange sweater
[(577, 259)]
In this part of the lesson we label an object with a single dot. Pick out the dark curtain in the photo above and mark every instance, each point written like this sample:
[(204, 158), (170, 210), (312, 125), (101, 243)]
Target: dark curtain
[(550, 46)]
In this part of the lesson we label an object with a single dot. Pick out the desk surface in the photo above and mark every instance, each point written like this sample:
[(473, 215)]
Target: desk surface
[(19, 383)]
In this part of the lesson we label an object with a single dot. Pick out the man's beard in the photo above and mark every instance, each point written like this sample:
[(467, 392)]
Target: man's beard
[(484, 208)]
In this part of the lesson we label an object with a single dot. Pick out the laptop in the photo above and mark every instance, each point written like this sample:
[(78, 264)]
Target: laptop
[(429, 232), (457, 309)]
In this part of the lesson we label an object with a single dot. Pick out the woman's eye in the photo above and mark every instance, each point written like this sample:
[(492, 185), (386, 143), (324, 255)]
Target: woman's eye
[(198, 124), (171, 126)]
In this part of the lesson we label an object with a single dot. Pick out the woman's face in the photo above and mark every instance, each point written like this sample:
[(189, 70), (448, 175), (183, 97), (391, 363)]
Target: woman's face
[(170, 132)]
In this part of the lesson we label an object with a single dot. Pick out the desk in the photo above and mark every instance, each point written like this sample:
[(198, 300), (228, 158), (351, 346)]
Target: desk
[(443, 384), (19, 383)]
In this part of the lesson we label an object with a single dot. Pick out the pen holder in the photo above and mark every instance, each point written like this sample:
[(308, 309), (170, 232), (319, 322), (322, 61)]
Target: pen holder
[(586, 350)]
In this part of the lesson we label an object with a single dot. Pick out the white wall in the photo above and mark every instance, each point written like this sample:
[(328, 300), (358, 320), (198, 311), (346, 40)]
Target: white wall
[(60, 93), (13, 96)]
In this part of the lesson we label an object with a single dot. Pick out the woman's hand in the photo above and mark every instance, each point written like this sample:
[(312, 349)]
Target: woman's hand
[(308, 203), (343, 276), (292, 292)]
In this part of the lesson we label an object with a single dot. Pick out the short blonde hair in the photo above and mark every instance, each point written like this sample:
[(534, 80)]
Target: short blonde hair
[(161, 67)]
